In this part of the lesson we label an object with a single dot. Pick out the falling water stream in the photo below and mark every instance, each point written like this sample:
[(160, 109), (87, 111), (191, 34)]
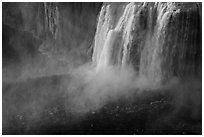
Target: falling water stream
[(127, 88), (154, 37)]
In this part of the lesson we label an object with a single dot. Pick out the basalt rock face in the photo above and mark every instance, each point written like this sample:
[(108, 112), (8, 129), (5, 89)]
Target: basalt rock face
[(160, 40), (46, 35)]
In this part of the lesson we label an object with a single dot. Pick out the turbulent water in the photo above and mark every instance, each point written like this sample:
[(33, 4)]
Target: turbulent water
[(161, 40), (144, 76)]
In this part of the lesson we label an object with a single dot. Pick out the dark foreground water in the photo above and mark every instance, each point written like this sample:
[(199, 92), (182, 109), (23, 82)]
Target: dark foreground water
[(38, 106)]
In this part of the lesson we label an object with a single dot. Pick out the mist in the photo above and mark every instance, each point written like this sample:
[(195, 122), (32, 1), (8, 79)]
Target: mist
[(64, 74), (84, 92)]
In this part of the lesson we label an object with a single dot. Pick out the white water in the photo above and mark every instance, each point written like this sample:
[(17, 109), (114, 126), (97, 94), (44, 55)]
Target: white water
[(143, 27), (112, 41)]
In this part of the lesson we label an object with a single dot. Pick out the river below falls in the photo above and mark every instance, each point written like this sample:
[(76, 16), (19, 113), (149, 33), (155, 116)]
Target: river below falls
[(45, 111)]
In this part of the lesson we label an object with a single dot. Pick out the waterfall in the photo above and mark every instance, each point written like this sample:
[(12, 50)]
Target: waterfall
[(112, 43), (152, 55), (160, 40), (51, 18)]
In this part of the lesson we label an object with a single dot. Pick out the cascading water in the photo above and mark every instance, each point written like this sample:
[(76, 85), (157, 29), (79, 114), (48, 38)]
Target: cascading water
[(51, 18), (154, 37), (145, 76), (112, 41)]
